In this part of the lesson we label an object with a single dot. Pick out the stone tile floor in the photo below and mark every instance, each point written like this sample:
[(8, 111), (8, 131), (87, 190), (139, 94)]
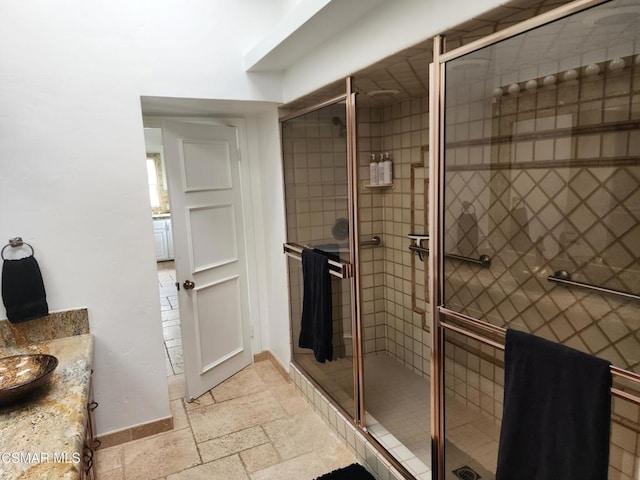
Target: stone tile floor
[(254, 426), (170, 317)]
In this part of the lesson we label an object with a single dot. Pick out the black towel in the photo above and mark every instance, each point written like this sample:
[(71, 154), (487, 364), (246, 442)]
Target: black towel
[(557, 412), (317, 328), (23, 290)]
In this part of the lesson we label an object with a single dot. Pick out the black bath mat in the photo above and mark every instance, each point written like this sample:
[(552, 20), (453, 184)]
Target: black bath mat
[(354, 471)]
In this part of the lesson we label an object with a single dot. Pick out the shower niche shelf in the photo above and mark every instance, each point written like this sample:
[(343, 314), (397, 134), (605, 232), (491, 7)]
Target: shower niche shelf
[(385, 186)]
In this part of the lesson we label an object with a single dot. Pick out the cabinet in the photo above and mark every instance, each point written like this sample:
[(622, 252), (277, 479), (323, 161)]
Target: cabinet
[(163, 238)]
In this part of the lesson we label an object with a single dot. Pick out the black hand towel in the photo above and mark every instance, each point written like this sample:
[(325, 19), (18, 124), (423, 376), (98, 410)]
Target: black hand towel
[(23, 290), (557, 412), (317, 328)]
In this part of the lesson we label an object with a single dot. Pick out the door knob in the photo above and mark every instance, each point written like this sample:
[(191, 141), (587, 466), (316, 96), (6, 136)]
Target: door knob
[(188, 285)]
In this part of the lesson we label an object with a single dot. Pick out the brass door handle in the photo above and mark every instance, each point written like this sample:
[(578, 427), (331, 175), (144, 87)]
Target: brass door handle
[(188, 285)]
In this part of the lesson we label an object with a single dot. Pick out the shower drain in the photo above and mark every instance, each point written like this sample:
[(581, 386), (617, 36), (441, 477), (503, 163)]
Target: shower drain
[(466, 473)]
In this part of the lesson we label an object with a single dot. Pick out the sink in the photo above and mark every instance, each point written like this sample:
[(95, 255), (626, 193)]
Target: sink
[(20, 374)]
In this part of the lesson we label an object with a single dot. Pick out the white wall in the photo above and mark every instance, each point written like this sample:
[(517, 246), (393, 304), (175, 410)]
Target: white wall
[(72, 171), (277, 330), (271, 315)]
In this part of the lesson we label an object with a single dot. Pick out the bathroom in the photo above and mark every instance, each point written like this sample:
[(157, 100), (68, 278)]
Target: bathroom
[(540, 188), (73, 181)]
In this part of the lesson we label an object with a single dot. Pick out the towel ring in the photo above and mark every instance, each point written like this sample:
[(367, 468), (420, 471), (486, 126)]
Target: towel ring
[(16, 242)]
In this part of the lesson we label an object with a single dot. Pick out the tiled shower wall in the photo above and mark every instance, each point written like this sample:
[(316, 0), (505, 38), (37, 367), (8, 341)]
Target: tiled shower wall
[(394, 280), (371, 216), (544, 180), (394, 295), (558, 188)]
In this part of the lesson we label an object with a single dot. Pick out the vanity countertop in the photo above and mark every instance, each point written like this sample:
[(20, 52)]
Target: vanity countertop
[(42, 435)]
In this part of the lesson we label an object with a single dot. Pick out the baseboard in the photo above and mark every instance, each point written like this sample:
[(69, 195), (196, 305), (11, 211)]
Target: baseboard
[(262, 356), (266, 355), (136, 432)]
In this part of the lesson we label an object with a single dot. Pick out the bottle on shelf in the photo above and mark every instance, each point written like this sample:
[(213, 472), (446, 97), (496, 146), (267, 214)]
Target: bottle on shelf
[(381, 170), (387, 169), (373, 170)]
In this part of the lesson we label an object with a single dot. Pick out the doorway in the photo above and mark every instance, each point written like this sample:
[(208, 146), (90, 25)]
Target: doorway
[(163, 243), (203, 165), (215, 327)]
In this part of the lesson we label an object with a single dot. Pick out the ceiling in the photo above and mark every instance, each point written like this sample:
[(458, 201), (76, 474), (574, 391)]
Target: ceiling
[(298, 34), (404, 75)]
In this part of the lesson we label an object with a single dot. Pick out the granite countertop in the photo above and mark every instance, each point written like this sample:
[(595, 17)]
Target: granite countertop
[(42, 435)]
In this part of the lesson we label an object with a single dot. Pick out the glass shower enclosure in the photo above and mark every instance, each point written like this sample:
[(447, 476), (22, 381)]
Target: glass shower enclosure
[(540, 215), (522, 163), (316, 178)]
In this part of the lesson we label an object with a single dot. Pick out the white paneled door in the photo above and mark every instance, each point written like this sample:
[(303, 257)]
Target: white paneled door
[(209, 249)]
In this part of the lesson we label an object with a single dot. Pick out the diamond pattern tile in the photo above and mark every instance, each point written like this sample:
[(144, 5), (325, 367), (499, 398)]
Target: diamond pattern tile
[(559, 190), (596, 240)]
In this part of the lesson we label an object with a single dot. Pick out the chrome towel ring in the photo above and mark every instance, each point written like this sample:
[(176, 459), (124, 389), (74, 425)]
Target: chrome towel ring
[(15, 242)]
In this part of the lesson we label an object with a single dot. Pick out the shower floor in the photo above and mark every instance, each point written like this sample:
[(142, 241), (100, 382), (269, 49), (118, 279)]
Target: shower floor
[(398, 415)]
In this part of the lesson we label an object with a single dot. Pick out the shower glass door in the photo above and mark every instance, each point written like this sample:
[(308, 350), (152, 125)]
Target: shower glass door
[(314, 145), (541, 186)]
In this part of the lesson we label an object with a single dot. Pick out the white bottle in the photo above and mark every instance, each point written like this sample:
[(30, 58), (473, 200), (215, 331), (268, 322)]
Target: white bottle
[(387, 169), (381, 171), (373, 170)]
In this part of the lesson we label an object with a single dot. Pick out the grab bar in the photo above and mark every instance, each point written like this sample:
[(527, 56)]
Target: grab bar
[(563, 277), (420, 251), (470, 321), (337, 269), (374, 242), (482, 260)]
